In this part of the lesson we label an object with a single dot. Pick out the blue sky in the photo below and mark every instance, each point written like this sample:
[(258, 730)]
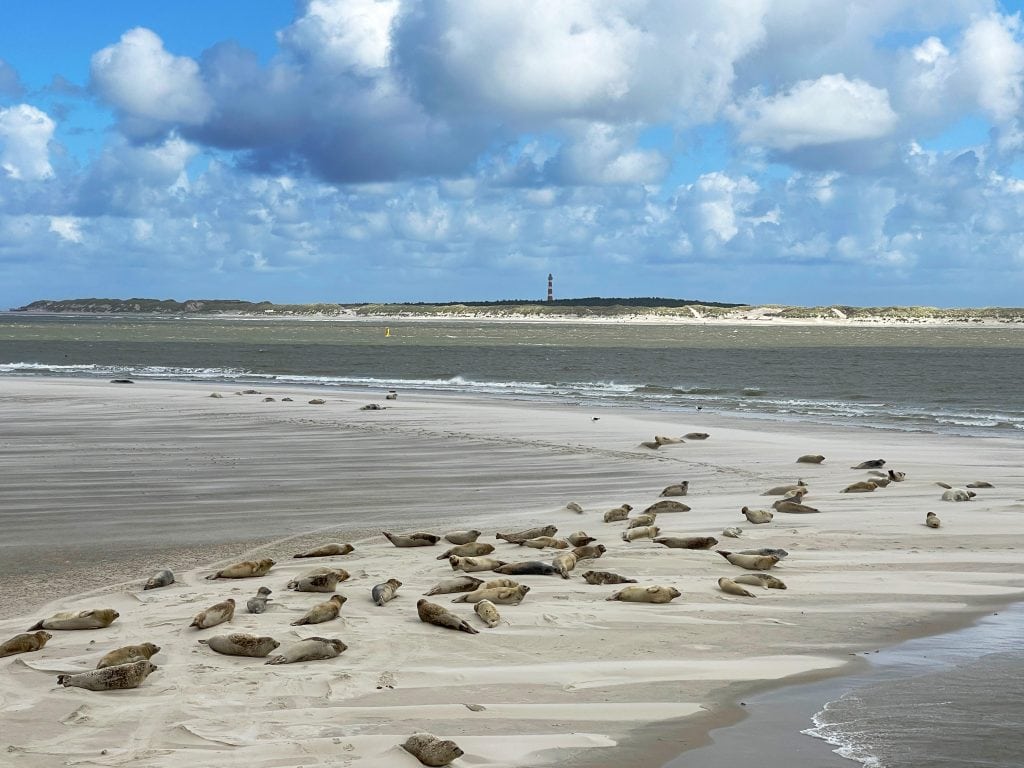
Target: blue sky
[(763, 151)]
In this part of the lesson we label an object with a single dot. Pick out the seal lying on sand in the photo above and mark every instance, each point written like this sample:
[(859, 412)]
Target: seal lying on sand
[(643, 532), (461, 537), (606, 577), (327, 550), (793, 507), (676, 489), (686, 542), (543, 542), (666, 505), (241, 644), (26, 642), (591, 551), (980, 484), (128, 654), (757, 516), (159, 579), (696, 436), (958, 494), (245, 570), (782, 490), (810, 458), (383, 593), (457, 584), (474, 564), (487, 611), (862, 486), (528, 568), (652, 594), (498, 595), (214, 615), (322, 612), (760, 580), (777, 551), (258, 604), (432, 751), (572, 506), (618, 513), (321, 579), (418, 539), (95, 618), (870, 464), (432, 613), (310, 649), (733, 532), (932, 520), (473, 549), (580, 539), (116, 678), (529, 533), (730, 587), (750, 562), (564, 563), (641, 521)]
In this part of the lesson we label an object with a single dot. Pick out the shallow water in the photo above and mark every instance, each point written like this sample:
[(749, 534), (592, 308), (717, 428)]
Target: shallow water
[(961, 380)]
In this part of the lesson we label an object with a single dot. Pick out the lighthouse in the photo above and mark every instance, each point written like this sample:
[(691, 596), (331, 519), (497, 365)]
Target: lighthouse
[(551, 287)]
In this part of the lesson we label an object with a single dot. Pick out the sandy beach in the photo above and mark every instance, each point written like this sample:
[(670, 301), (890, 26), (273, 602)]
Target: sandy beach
[(104, 484)]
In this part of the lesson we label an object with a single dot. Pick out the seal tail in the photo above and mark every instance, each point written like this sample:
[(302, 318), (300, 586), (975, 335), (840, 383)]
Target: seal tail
[(467, 627), (460, 599), (275, 660), (37, 625), (299, 622), (213, 576), (723, 553)]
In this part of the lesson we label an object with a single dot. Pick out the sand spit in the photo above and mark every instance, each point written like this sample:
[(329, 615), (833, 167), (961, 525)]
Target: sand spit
[(96, 475)]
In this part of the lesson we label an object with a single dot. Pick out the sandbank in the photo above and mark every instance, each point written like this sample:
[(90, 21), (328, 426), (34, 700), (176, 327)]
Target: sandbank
[(106, 483)]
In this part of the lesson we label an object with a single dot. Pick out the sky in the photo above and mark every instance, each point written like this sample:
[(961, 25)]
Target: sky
[(865, 152)]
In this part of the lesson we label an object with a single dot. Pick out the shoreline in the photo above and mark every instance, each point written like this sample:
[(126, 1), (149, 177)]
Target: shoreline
[(528, 459)]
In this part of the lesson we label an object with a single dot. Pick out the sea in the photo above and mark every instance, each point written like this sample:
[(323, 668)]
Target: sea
[(939, 702), (959, 380)]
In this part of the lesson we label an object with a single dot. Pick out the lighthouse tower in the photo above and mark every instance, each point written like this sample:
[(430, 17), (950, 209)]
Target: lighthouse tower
[(551, 288)]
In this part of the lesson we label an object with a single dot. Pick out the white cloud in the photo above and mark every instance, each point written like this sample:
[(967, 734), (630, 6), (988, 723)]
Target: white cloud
[(994, 60), (67, 227), (828, 110), (598, 153), (25, 134), (344, 34), (142, 80)]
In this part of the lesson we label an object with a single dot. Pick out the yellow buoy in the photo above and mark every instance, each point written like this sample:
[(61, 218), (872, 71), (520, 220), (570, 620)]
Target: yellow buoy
[(387, 332)]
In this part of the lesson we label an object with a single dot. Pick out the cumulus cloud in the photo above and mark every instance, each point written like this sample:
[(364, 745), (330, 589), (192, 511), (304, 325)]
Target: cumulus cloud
[(25, 134), (67, 227), (828, 110), (148, 85)]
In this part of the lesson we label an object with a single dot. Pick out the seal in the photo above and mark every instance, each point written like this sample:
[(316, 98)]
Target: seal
[(651, 594), (644, 532), (617, 514), (980, 484), (932, 520), (652, 444), (26, 642), (322, 612), (411, 539), (958, 494), (862, 486), (432, 751), (214, 615), (499, 583), (733, 532), (247, 569), (118, 678), (457, 584), (258, 604), (542, 542), (572, 506), (663, 440), (580, 539), (461, 537), (591, 551), (881, 482), (319, 580), (529, 533), (486, 610), (676, 489), (779, 553), (641, 521), (757, 516), (897, 477), (686, 542), (810, 458), (159, 579), (870, 464), (241, 644), (128, 654), (606, 577), (696, 436), (760, 580), (564, 563), (327, 550), (666, 505), (310, 649), (750, 562), (473, 549), (782, 490), (528, 568), (497, 595), (383, 593), (474, 564), (730, 587), (95, 618), (793, 507), (438, 615)]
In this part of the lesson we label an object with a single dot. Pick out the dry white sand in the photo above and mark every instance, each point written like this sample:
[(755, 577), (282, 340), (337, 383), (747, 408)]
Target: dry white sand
[(104, 484)]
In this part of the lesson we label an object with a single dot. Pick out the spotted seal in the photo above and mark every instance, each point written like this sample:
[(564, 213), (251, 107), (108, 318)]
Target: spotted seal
[(246, 569), (760, 580), (606, 577), (438, 615), (241, 644), (730, 587), (676, 489), (117, 678), (385, 592), (686, 542), (457, 584), (652, 594), (487, 611), (757, 516), (214, 615), (327, 550), (310, 649), (473, 549), (26, 642), (258, 604), (497, 595), (461, 537), (418, 539), (321, 612), (666, 505), (529, 533), (128, 654), (93, 618), (750, 562), (528, 568), (159, 579)]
